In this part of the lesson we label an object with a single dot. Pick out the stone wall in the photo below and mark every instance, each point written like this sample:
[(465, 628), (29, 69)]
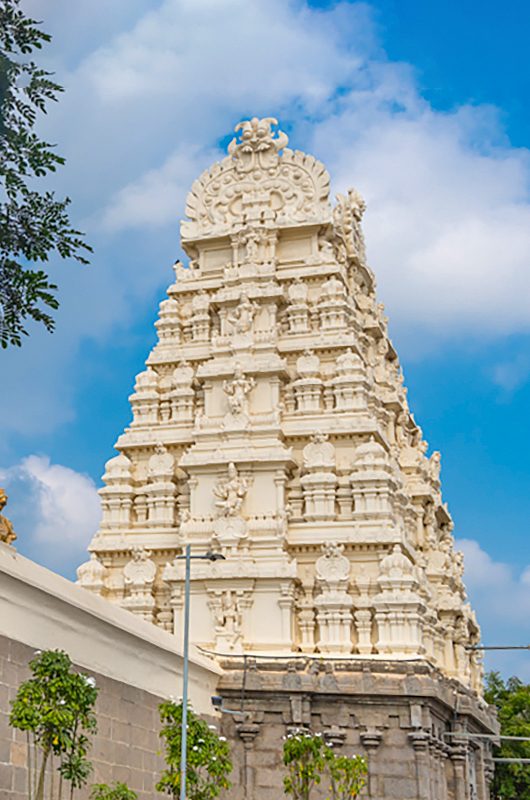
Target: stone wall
[(398, 715), (124, 748)]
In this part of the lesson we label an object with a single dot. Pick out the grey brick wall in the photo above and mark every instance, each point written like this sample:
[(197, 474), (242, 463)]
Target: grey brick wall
[(125, 747)]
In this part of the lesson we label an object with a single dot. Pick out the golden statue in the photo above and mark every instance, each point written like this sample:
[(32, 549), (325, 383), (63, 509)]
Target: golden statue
[(7, 534)]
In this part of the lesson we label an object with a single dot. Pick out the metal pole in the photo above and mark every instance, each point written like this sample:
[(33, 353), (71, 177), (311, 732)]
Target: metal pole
[(184, 737)]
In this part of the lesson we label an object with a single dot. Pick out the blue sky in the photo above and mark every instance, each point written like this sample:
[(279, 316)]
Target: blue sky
[(422, 107)]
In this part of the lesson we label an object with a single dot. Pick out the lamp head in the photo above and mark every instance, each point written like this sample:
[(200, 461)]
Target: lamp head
[(214, 556)]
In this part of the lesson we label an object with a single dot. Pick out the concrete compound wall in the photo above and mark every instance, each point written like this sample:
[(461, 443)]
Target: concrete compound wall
[(135, 665)]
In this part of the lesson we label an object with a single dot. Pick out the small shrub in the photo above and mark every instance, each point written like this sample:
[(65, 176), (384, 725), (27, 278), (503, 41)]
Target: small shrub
[(304, 755), (347, 776), (119, 791), (56, 709), (208, 755), (309, 758)]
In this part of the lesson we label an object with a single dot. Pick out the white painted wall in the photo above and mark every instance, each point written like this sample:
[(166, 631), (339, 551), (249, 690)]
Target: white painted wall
[(45, 611)]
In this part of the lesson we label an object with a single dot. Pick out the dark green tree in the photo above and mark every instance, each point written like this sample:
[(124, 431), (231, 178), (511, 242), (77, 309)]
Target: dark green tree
[(512, 700), (208, 763), (33, 225), (55, 708)]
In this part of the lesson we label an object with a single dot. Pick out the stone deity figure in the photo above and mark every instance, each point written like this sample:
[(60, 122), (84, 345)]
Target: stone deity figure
[(7, 534), (229, 616), (243, 315), (430, 525), (347, 216), (140, 571), (230, 493), (252, 243), (237, 390), (435, 462), (332, 289), (161, 464)]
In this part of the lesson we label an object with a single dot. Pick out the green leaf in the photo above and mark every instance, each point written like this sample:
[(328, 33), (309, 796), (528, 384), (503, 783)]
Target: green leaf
[(34, 226)]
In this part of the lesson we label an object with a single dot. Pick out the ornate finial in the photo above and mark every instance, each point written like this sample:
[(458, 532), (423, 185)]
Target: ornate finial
[(7, 534), (258, 148)]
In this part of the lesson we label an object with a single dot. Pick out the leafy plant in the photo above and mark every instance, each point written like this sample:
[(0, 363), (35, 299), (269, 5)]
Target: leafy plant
[(33, 225), (119, 791), (56, 709), (347, 776), (309, 759), (305, 756), (512, 700), (208, 755)]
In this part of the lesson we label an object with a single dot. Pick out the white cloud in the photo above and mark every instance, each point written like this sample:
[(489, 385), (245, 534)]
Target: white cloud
[(501, 598), (448, 221), (55, 511), (512, 373), (150, 201), (448, 224)]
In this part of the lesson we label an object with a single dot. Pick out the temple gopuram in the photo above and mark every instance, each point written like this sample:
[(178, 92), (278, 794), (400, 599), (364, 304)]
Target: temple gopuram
[(271, 425)]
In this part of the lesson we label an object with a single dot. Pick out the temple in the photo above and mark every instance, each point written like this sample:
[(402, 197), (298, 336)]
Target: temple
[(271, 424)]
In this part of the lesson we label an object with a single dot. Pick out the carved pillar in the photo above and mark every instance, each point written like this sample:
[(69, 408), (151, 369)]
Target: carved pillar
[(286, 602), (247, 732), (279, 482), (306, 620), (363, 626), (344, 498), (458, 757), (371, 739), (420, 742)]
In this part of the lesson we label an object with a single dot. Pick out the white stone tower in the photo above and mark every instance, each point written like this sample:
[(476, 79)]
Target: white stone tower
[(272, 424)]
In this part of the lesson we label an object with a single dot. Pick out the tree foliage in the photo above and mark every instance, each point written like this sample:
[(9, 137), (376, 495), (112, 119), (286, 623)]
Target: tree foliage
[(55, 708), (208, 755), (33, 225), (119, 791), (512, 700), (309, 759), (304, 755)]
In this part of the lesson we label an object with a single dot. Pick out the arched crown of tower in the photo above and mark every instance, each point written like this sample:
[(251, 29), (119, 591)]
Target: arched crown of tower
[(260, 181)]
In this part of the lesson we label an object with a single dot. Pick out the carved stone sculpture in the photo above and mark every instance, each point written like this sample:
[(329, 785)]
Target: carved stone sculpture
[(230, 492), (237, 390), (7, 534), (241, 318), (139, 575)]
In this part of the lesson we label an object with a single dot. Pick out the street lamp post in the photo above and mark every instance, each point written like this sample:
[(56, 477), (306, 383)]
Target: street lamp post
[(209, 556)]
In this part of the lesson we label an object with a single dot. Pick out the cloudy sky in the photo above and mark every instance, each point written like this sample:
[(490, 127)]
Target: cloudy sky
[(423, 108)]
